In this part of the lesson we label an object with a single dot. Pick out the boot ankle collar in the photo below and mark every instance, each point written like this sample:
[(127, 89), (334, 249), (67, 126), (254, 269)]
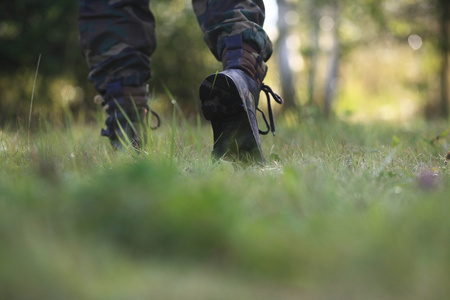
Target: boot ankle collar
[(116, 90), (116, 94), (240, 55)]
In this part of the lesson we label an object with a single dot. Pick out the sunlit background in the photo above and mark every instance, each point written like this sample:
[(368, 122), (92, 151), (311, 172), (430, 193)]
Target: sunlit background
[(387, 63), (356, 60)]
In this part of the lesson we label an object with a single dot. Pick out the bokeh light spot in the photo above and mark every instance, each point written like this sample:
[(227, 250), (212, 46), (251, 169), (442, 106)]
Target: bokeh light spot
[(291, 17), (326, 23), (415, 41)]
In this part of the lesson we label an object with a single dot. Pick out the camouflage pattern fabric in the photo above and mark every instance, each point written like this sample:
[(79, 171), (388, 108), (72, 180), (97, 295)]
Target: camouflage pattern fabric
[(117, 37), (222, 18)]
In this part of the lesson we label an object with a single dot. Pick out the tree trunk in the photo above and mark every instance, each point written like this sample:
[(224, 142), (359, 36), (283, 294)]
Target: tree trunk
[(444, 7), (333, 65), (313, 51), (288, 91)]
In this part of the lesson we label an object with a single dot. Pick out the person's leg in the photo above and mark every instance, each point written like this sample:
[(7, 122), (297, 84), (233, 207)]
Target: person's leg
[(220, 19), (117, 38), (233, 32)]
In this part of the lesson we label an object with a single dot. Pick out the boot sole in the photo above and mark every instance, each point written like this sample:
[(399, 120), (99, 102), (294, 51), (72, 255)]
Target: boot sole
[(236, 134)]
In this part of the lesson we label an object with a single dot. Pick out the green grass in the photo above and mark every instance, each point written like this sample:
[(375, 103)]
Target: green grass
[(341, 211)]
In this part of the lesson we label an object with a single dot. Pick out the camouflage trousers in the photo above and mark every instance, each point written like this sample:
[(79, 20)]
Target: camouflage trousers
[(117, 37)]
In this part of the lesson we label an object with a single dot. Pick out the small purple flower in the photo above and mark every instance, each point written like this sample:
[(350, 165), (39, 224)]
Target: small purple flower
[(427, 180)]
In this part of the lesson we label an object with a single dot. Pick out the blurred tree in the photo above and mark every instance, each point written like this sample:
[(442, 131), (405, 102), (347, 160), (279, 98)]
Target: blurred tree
[(429, 19), (336, 28), (29, 28), (443, 9), (365, 23), (313, 18), (288, 90), (323, 15), (331, 77)]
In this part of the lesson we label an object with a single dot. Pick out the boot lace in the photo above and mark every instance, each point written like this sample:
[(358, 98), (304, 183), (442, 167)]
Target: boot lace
[(270, 127), (116, 115)]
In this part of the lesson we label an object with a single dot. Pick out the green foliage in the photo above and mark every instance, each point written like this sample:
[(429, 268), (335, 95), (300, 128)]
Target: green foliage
[(28, 29), (182, 60), (32, 27)]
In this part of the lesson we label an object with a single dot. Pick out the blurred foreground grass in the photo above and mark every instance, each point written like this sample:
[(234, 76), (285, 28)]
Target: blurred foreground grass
[(342, 211)]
